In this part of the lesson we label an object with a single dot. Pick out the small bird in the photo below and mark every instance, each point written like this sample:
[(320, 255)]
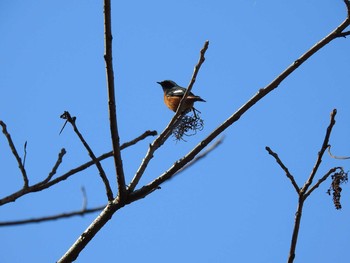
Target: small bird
[(173, 94)]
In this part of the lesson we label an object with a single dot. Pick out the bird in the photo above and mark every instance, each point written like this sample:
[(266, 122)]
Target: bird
[(173, 94)]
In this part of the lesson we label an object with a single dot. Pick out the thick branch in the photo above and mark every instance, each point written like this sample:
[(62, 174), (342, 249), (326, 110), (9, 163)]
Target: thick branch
[(111, 101), (90, 232), (295, 234)]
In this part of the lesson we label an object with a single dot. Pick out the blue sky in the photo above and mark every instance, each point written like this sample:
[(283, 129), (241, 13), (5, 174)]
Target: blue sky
[(234, 206)]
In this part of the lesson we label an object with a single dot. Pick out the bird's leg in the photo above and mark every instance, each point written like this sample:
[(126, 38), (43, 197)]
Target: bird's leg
[(194, 112)]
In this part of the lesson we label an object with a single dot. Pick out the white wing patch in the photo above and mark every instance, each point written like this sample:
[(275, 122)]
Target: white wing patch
[(178, 92)]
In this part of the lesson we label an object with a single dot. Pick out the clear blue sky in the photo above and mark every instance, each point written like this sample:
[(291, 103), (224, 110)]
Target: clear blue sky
[(234, 206)]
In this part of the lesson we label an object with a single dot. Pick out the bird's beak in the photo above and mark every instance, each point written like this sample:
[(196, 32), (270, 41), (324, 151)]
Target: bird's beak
[(159, 82)]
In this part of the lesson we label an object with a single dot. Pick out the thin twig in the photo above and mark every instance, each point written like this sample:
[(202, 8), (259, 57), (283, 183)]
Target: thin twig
[(55, 167), (202, 155), (321, 180), (344, 34), (111, 101), (53, 217), (336, 157), (193, 78), (167, 131), (320, 153), (284, 168), (137, 139), (25, 154), (15, 153), (66, 115)]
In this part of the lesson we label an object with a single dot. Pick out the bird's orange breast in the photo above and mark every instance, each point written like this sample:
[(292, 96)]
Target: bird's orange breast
[(172, 102)]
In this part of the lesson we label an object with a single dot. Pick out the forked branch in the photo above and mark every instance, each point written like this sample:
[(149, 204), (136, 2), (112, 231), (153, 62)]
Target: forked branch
[(48, 181), (308, 188)]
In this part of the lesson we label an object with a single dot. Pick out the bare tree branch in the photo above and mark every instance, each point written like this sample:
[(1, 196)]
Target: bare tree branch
[(167, 131), (284, 168), (193, 78), (66, 115), (234, 117), (34, 188), (320, 153), (84, 209), (46, 184), (111, 101), (15, 153), (293, 243), (117, 203), (51, 218), (55, 167), (304, 192)]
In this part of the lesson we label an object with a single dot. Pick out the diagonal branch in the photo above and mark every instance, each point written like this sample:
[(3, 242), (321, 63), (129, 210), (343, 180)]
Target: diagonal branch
[(321, 180), (102, 173), (111, 101), (55, 167), (15, 153), (284, 168), (193, 78), (235, 116), (321, 152), (167, 131)]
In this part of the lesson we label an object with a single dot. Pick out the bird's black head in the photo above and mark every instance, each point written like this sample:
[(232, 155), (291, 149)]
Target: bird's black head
[(167, 84)]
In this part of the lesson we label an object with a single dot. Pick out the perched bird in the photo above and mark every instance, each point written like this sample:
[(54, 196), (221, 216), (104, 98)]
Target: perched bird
[(173, 94)]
